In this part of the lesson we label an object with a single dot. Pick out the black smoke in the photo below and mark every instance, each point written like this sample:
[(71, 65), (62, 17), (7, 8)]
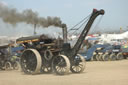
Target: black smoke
[(28, 16)]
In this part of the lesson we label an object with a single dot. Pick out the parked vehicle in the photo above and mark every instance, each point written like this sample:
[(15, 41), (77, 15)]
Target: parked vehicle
[(124, 49), (8, 60), (4, 57), (92, 52), (103, 52), (111, 52)]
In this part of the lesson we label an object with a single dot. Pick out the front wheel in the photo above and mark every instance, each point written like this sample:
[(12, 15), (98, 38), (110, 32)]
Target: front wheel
[(8, 65), (61, 65), (78, 64)]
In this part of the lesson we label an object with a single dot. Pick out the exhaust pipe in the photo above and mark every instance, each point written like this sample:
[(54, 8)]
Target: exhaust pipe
[(64, 29)]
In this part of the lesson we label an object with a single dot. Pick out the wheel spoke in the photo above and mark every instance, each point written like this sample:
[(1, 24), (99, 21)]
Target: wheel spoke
[(80, 66), (46, 69)]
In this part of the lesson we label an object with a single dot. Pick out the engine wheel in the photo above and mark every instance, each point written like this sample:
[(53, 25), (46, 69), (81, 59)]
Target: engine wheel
[(105, 57), (8, 66), (31, 61), (78, 64), (119, 56), (112, 57), (61, 65)]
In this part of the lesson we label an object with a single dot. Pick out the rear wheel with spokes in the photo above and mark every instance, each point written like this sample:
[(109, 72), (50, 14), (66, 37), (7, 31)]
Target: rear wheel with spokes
[(31, 61)]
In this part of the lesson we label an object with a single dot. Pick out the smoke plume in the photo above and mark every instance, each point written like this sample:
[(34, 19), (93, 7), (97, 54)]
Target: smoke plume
[(12, 16)]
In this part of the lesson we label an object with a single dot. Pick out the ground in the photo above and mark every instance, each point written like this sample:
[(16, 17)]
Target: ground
[(96, 73)]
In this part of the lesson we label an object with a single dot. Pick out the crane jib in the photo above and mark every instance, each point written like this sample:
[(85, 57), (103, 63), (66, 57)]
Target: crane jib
[(85, 31)]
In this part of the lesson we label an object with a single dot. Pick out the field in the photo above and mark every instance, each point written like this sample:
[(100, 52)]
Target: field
[(96, 73)]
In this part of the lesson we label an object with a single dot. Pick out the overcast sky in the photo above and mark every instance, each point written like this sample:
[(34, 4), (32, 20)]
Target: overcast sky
[(70, 12)]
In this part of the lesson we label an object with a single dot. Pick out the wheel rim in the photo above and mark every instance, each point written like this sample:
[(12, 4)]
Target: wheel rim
[(100, 57), (119, 56), (8, 66), (112, 57), (31, 61), (16, 66), (61, 65), (105, 57), (78, 64), (97, 57), (94, 57)]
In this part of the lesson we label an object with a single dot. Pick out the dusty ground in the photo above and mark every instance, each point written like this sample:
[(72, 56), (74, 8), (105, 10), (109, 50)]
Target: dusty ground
[(96, 73)]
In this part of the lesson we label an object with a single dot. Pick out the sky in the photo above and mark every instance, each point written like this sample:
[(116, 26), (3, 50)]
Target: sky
[(70, 12)]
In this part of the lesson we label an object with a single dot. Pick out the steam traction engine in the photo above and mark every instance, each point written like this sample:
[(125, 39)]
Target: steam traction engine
[(45, 54)]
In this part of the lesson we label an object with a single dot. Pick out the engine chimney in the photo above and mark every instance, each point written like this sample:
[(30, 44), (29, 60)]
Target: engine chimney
[(64, 29), (34, 29)]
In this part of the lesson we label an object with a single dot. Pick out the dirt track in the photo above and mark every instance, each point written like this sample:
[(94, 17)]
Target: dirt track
[(96, 73)]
